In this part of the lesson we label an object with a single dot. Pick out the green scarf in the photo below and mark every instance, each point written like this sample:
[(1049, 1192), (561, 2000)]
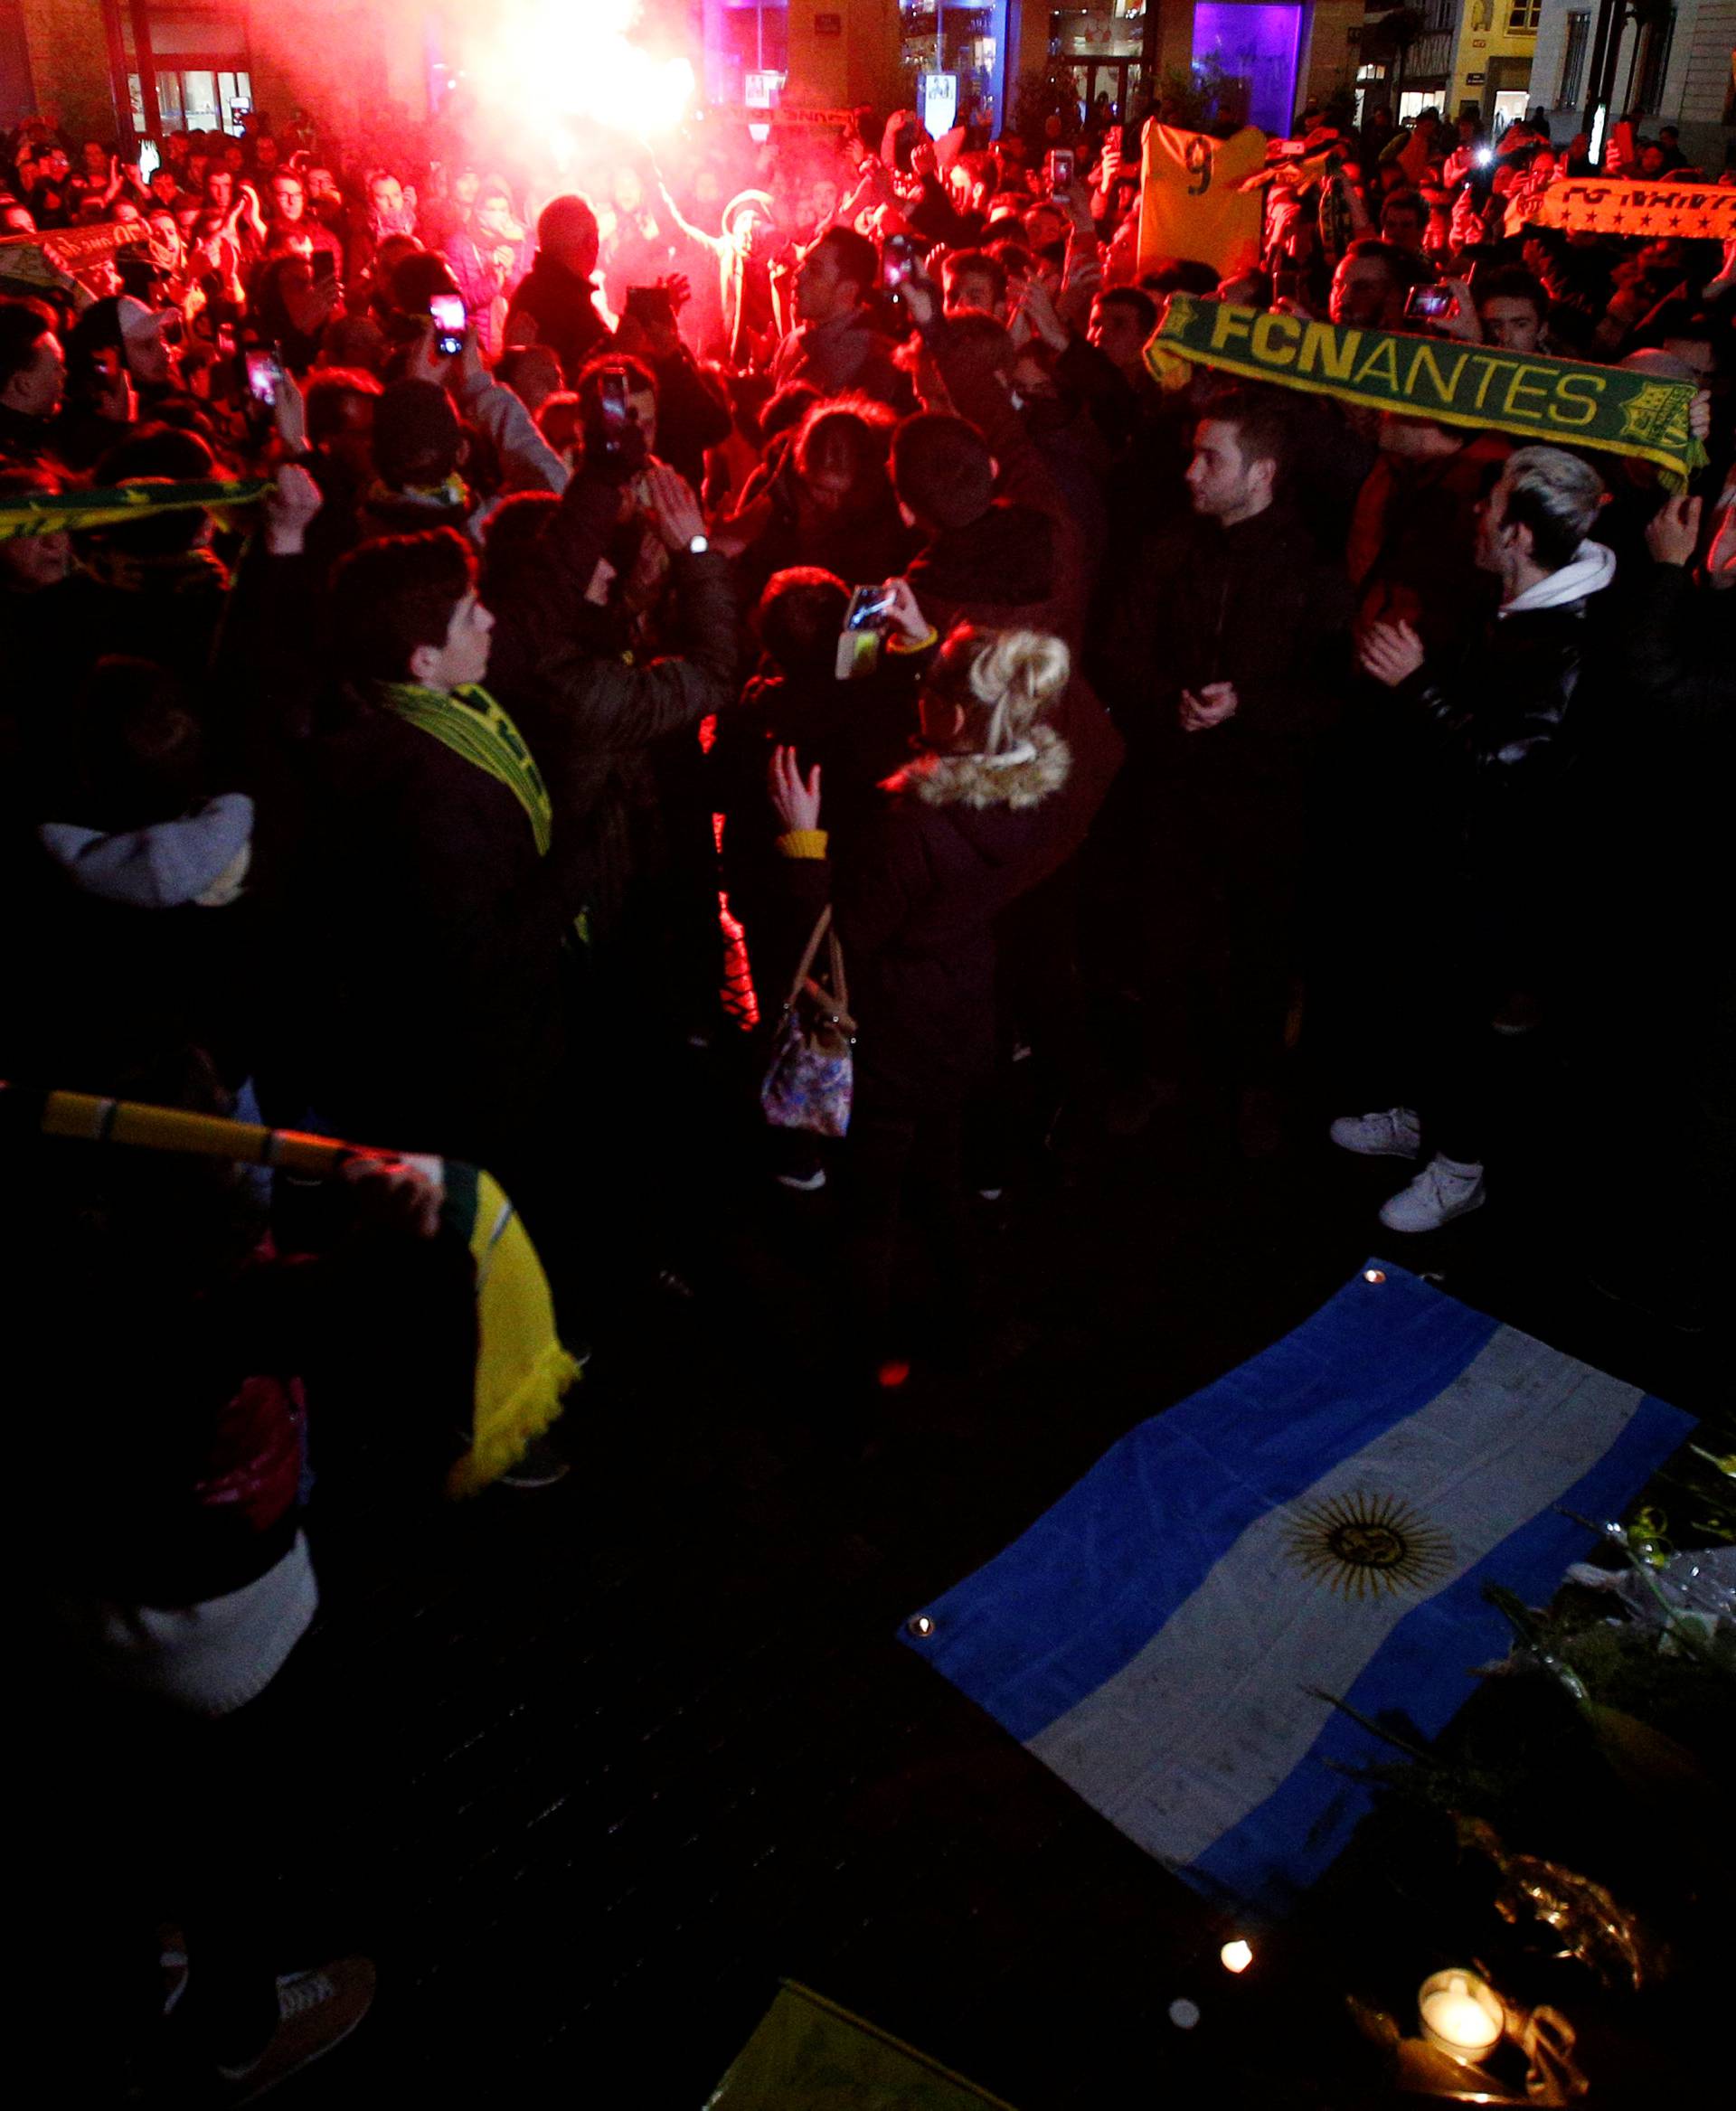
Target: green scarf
[(472, 724), (1561, 401), (43, 512)]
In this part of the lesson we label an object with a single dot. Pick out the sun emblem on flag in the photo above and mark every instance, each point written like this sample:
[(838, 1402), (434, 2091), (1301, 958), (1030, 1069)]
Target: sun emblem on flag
[(1362, 1545)]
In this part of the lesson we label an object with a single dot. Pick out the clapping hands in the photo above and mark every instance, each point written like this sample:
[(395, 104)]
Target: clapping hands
[(1391, 652)]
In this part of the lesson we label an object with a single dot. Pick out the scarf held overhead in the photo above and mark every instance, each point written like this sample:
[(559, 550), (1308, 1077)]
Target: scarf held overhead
[(53, 257), (1527, 394), (1597, 205), (58, 513), (472, 724)]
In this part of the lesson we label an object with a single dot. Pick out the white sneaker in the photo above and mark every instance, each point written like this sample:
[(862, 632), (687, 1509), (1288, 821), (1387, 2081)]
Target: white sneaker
[(1396, 1133), (1443, 1189)]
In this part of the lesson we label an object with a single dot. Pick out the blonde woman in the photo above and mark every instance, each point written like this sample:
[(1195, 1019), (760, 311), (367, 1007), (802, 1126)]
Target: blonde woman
[(994, 801)]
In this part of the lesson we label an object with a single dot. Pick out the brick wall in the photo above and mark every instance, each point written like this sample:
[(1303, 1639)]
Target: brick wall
[(69, 64)]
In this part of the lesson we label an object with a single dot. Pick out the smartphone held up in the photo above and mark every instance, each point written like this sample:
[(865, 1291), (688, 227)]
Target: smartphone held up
[(264, 376), (865, 624), (1430, 303), (450, 320)]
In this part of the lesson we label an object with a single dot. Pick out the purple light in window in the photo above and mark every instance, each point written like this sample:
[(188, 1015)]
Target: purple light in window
[(1259, 45)]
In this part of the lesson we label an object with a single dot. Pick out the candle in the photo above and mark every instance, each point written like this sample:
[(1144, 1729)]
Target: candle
[(1461, 2015), (1236, 1956)]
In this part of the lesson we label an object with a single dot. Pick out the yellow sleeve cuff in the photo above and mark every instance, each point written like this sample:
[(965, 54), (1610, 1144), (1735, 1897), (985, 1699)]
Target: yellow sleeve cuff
[(803, 843), (901, 644)]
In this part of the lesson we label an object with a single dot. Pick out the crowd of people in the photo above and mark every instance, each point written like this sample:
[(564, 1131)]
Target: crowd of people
[(812, 540)]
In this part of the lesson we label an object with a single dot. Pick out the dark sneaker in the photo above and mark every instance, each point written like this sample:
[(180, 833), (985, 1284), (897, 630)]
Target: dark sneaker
[(316, 2011)]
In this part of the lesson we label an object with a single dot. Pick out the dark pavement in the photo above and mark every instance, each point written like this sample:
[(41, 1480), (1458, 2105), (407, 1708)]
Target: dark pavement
[(602, 1762)]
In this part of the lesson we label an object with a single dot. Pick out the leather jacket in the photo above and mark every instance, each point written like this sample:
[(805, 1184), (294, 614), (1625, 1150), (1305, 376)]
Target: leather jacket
[(1507, 723)]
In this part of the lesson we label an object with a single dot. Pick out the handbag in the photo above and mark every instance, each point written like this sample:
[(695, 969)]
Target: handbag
[(810, 1079)]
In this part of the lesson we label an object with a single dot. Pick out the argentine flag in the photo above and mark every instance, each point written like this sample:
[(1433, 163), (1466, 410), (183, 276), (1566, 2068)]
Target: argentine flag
[(1323, 1520)]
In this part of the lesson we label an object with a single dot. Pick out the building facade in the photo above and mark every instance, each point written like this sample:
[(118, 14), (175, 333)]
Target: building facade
[(208, 62), (1492, 61), (1674, 66), (1285, 55)]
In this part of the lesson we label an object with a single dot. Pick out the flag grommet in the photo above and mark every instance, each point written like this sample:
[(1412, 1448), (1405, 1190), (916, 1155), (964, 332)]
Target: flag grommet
[(920, 1625)]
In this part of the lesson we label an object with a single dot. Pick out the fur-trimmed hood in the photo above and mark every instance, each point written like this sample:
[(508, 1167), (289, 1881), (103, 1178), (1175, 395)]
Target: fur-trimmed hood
[(981, 782)]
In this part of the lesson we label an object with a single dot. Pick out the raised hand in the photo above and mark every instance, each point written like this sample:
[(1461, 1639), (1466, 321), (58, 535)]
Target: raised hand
[(427, 361), (392, 1195), (796, 802), (904, 614), (1035, 305), (673, 508), (1672, 532), (290, 504), (289, 415)]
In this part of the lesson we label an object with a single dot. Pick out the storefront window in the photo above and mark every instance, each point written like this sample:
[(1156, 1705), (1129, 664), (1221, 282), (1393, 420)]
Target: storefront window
[(965, 42), (1106, 41), (1255, 47), (198, 56), (194, 100), (743, 37)]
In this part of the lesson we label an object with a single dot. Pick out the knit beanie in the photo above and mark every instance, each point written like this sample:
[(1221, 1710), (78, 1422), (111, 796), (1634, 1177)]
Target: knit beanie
[(415, 435)]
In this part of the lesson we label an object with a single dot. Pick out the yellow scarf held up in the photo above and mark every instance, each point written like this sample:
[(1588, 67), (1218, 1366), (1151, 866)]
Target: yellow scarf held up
[(523, 1370)]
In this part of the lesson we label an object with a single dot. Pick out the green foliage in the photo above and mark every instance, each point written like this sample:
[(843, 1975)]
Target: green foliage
[(1590, 1711)]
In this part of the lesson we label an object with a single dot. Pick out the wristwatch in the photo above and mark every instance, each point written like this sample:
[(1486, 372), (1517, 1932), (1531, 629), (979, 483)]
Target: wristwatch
[(698, 546)]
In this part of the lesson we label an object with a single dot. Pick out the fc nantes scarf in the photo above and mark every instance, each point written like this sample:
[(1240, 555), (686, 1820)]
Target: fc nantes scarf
[(1533, 397), (472, 724), (53, 257), (523, 1368), (50, 513)]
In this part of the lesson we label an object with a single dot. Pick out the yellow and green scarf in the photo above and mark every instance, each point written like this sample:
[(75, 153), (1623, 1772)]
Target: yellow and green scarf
[(523, 1370), (51, 512), (472, 724), (1530, 395)]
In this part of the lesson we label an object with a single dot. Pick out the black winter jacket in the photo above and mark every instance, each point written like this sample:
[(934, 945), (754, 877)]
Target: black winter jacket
[(1250, 605), (425, 980), (1505, 724), (565, 310), (590, 715), (917, 890)]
